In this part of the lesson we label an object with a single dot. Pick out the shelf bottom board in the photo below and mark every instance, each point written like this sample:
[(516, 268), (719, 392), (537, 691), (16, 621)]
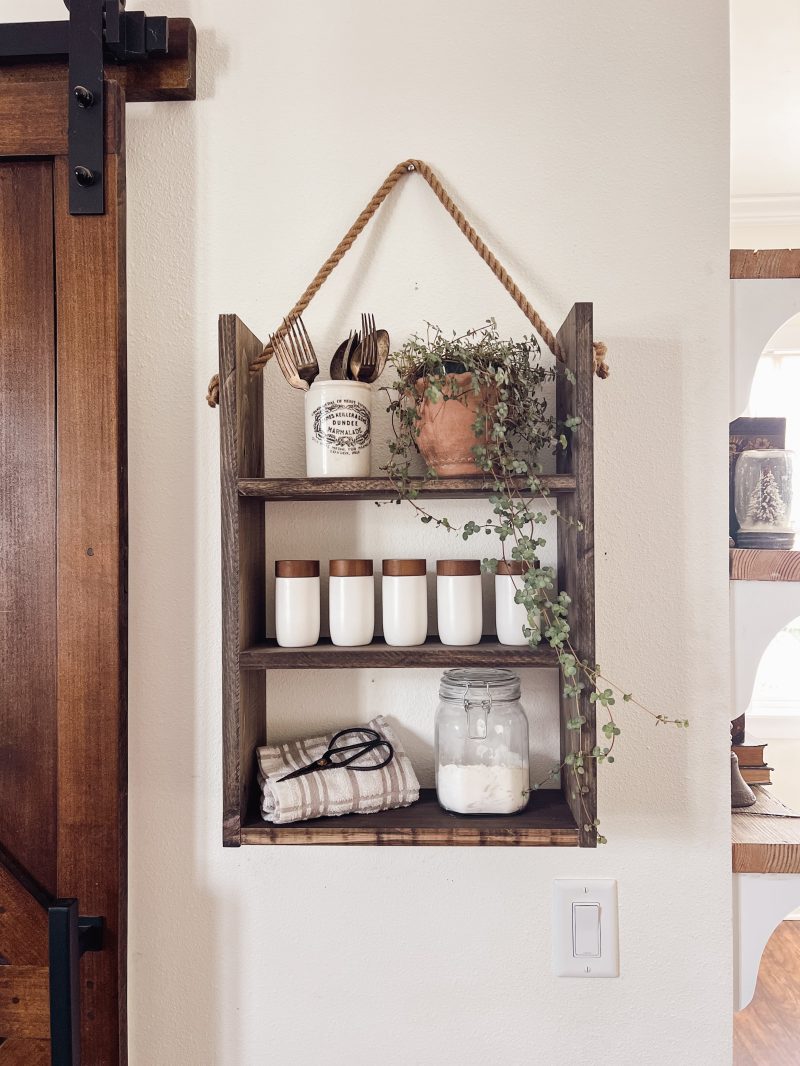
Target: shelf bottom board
[(546, 822)]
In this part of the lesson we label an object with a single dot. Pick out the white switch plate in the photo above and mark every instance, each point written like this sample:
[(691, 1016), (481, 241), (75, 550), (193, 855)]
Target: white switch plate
[(576, 936)]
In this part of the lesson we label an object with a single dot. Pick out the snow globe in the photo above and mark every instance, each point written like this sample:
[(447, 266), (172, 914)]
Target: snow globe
[(763, 499)]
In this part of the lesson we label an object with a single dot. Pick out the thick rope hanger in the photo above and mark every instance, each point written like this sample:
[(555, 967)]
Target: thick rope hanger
[(412, 166)]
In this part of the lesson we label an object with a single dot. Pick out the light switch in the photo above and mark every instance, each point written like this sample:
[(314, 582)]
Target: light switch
[(585, 928)]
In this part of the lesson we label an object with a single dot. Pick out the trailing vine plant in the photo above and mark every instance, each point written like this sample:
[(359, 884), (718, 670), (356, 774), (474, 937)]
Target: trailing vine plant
[(514, 430)]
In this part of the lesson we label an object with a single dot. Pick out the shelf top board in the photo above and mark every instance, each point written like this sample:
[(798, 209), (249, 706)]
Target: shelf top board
[(762, 564), (381, 488), (546, 822), (765, 844), (326, 656)]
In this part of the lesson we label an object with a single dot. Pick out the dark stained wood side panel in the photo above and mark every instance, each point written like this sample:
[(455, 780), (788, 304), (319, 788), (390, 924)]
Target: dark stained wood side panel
[(766, 263), (92, 589), (243, 568), (27, 519), (170, 77), (576, 550)]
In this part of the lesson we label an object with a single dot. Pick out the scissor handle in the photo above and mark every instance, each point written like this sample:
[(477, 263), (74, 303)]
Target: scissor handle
[(358, 749), (371, 733)]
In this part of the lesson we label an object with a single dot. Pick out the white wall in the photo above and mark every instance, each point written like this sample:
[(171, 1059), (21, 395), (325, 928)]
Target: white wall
[(589, 142), (765, 97)]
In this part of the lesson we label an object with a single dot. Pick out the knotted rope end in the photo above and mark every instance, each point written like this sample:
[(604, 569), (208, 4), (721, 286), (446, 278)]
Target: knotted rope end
[(601, 367), (212, 396)]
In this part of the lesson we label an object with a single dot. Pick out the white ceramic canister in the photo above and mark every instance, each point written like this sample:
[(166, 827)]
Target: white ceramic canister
[(405, 602), (338, 429), (351, 602), (459, 604), (297, 602), (510, 617)]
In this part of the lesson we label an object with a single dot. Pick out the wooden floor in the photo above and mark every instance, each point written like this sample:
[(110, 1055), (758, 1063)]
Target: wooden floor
[(767, 1033)]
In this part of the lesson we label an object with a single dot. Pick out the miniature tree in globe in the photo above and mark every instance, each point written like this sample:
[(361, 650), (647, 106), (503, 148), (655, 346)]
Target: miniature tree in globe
[(766, 506)]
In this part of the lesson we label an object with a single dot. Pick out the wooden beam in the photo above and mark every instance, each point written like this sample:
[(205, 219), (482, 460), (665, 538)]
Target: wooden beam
[(765, 263), (170, 77)]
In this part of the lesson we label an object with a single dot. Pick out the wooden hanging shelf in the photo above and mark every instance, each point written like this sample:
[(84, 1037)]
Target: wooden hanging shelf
[(558, 818)]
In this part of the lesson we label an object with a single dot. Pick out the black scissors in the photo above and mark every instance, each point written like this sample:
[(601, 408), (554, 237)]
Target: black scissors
[(339, 755)]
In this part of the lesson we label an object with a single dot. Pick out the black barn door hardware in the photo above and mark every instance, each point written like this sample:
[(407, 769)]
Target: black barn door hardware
[(70, 936), (98, 31)]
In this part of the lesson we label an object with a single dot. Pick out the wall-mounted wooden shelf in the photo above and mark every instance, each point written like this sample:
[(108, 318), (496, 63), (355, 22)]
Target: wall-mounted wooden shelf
[(268, 655), (759, 564), (380, 488), (560, 818), (764, 844)]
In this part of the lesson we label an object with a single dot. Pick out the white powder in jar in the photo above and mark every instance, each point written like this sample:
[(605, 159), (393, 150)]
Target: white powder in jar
[(478, 789)]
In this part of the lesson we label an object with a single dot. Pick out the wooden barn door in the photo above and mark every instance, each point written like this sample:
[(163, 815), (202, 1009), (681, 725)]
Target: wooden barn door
[(62, 584)]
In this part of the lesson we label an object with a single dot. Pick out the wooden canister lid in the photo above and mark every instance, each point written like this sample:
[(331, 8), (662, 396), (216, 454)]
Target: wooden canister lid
[(297, 568), (458, 567), (514, 567), (351, 568), (404, 567)]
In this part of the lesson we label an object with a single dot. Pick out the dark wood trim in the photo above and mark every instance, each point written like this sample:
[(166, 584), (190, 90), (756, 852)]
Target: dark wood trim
[(171, 77), (243, 568), (765, 263), (546, 822), (92, 588), (380, 488), (576, 551), (33, 118), (267, 655)]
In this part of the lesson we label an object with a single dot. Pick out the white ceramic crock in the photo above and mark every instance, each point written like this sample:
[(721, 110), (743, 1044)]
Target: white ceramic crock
[(338, 429)]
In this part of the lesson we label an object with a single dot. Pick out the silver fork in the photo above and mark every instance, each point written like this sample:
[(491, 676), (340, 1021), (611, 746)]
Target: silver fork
[(295, 353), (364, 360)]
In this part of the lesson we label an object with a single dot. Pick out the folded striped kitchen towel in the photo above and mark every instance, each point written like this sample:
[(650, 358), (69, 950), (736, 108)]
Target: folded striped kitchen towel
[(335, 791)]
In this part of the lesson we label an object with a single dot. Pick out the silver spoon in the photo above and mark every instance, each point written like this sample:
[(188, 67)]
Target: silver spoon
[(341, 357)]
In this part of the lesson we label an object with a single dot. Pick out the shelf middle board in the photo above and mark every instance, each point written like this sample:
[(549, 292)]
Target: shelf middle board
[(268, 655)]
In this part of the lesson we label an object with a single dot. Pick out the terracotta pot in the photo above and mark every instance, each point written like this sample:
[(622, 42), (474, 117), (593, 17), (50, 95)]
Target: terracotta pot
[(446, 437)]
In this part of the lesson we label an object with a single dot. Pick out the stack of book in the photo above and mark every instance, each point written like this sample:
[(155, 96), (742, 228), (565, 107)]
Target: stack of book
[(750, 754)]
